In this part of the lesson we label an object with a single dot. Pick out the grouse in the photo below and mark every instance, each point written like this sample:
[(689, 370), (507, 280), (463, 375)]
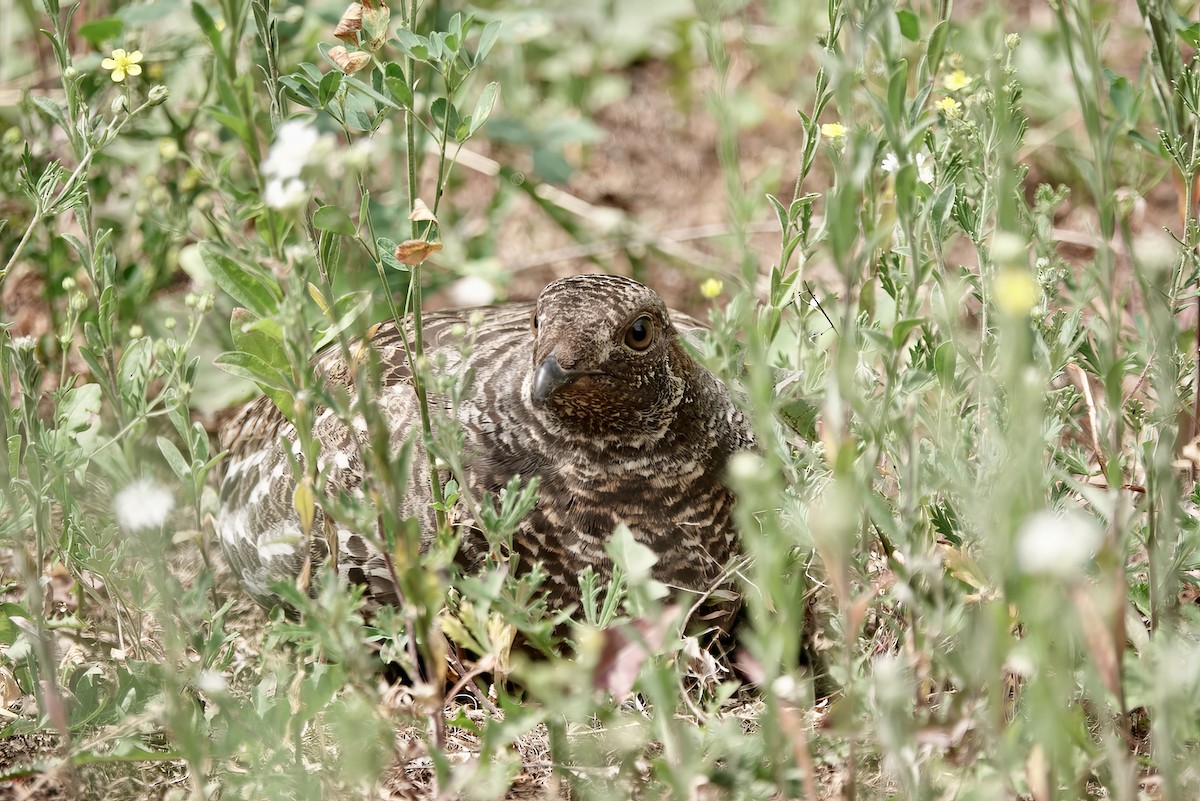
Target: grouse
[(590, 389)]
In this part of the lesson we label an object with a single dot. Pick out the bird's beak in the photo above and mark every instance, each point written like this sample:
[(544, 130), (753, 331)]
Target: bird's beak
[(550, 378)]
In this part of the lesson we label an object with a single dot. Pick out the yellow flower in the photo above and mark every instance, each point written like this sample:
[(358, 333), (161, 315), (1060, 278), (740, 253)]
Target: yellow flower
[(957, 81), (948, 106), (1016, 291), (833, 130), (123, 64), (711, 288)]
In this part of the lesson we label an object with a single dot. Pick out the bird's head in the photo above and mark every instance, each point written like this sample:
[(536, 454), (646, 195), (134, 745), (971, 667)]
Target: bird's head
[(607, 360)]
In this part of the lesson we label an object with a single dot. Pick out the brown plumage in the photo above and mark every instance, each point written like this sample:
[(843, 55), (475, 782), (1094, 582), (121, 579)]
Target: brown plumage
[(589, 388)]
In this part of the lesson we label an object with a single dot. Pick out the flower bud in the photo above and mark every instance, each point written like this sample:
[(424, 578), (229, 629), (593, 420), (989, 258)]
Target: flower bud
[(158, 94)]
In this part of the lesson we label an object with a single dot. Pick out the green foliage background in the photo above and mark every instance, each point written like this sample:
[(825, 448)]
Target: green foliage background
[(948, 254)]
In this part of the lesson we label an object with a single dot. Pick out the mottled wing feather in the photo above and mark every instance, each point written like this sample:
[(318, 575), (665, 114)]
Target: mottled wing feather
[(258, 523), (671, 496)]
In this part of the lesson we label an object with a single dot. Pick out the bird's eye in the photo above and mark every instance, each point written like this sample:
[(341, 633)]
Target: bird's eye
[(640, 334), (533, 322)]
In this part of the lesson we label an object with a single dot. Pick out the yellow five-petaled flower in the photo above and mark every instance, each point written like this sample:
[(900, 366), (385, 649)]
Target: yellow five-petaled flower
[(833, 130), (948, 106), (957, 81), (123, 64)]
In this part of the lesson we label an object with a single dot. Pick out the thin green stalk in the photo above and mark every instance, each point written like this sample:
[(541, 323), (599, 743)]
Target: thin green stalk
[(412, 304)]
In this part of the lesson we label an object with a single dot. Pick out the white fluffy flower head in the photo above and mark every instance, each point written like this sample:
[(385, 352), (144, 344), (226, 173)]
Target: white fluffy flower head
[(1057, 543), (292, 150), (142, 505)]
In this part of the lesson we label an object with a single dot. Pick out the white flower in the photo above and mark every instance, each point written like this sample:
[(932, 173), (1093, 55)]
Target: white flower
[(292, 150), (1057, 543), (143, 504), (924, 166), (285, 194), (745, 466), (211, 682), (472, 290), (924, 169)]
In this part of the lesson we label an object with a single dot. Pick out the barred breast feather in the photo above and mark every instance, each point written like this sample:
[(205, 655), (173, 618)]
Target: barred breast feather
[(590, 389)]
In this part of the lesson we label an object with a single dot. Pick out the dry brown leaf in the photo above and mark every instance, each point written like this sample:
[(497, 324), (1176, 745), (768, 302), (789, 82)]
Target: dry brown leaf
[(350, 24), (348, 61), (421, 212), (416, 251)]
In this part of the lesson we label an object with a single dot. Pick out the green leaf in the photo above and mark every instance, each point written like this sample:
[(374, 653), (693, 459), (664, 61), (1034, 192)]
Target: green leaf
[(368, 91), (78, 407), (939, 210), (8, 630), (265, 342), (102, 30), (329, 86), (254, 289), (245, 365), (397, 85), (1191, 34), (439, 111), (898, 90), (79, 419), (133, 371), (903, 328), (412, 45), (945, 359), (937, 47), (334, 219), (301, 90), (486, 39), (910, 26), (51, 110), (483, 108), (174, 458), (387, 254), (630, 555)]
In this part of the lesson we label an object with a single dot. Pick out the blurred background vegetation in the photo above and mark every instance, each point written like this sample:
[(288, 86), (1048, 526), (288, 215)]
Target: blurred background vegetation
[(947, 251)]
